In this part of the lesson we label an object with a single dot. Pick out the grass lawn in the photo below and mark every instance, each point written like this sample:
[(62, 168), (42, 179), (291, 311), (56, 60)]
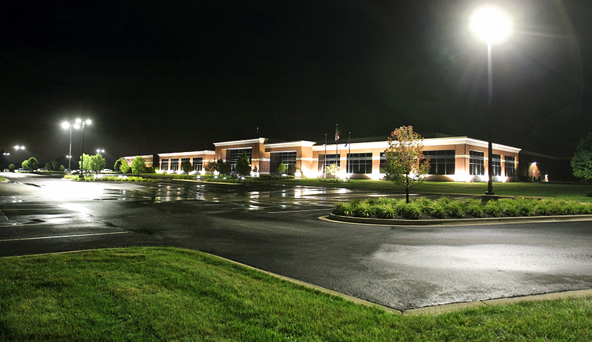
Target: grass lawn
[(153, 294), (567, 191)]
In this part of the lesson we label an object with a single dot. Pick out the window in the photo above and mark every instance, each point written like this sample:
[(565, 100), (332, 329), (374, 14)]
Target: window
[(496, 163), (197, 164), (331, 159), (164, 164), (510, 166), (184, 160), (276, 158), (359, 163), (382, 162), (232, 156), (441, 162), (174, 164), (476, 166)]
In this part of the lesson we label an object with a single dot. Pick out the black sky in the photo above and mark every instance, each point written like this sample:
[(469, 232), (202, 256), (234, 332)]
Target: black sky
[(168, 76)]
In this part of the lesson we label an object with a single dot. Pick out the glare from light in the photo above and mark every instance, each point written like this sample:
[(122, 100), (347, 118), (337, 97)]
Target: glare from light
[(65, 125), (78, 120), (491, 24)]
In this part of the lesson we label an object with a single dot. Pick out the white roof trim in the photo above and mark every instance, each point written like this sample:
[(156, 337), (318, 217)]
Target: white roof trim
[(239, 142), (304, 143), (178, 154)]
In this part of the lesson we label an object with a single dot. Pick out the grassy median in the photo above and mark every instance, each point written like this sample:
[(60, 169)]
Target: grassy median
[(154, 294)]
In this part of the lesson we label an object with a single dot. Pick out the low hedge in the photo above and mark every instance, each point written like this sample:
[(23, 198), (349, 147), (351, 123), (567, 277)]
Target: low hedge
[(445, 207), (110, 179)]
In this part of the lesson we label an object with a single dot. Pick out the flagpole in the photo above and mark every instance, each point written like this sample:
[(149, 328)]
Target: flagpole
[(325, 160), (348, 150), (337, 144)]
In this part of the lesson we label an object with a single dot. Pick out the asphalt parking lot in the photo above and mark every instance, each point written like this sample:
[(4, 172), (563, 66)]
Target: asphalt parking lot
[(277, 229)]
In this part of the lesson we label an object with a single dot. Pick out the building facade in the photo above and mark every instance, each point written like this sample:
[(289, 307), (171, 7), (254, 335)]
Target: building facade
[(451, 158)]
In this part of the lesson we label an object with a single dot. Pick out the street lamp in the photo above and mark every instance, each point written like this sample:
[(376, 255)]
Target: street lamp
[(490, 24), (82, 123), (67, 125), (100, 150), (17, 149)]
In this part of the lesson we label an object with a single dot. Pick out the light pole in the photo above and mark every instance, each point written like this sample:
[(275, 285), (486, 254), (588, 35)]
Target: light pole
[(100, 150), (82, 123), (490, 24), (67, 125), (17, 149)]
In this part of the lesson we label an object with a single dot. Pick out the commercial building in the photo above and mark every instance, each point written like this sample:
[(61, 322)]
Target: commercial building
[(451, 158)]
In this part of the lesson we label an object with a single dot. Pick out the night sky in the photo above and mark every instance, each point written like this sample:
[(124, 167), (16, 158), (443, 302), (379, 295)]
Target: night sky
[(170, 76)]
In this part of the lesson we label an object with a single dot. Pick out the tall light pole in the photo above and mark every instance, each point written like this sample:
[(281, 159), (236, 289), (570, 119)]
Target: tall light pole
[(67, 125), (490, 24), (18, 148), (82, 123)]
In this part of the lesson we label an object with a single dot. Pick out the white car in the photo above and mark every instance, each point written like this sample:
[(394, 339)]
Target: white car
[(106, 171)]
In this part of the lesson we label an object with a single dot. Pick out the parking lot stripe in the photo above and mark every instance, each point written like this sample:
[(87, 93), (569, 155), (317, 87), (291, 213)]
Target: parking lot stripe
[(60, 236)]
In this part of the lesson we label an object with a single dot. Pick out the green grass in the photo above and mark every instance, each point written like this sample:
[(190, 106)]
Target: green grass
[(156, 294), (2, 179), (573, 191)]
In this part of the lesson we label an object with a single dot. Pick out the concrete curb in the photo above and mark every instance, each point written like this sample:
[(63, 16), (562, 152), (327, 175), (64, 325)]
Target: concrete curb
[(457, 222), (430, 310)]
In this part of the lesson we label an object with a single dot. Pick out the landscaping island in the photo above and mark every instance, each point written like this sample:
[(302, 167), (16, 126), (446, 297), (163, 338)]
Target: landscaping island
[(446, 208)]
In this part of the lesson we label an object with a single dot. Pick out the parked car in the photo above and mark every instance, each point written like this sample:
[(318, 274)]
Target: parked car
[(41, 170), (6, 170), (106, 171)]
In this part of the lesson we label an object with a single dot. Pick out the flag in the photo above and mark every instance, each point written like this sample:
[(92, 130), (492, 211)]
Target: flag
[(336, 132), (349, 136)]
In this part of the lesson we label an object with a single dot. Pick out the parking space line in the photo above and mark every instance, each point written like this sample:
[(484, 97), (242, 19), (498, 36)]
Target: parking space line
[(60, 236)]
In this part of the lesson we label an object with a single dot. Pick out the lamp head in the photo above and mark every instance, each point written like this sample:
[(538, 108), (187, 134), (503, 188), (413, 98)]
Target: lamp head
[(491, 24)]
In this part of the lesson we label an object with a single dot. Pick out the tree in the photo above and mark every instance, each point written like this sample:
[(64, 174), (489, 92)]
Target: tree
[(138, 165), (243, 165), (97, 163), (281, 169), (121, 165), (54, 165), (222, 167), (30, 164), (334, 170), (581, 163), (11, 167), (48, 166), (62, 168), (186, 166), (86, 165), (404, 165), (210, 166), (292, 170)]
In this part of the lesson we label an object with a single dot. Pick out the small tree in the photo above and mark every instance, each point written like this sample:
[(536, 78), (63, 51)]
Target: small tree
[(30, 164), (54, 165), (581, 163), (121, 165), (243, 165), (334, 170), (292, 170), (222, 167), (11, 167), (210, 166), (86, 165), (62, 168), (404, 165), (138, 165), (186, 166), (281, 169), (48, 166), (97, 163)]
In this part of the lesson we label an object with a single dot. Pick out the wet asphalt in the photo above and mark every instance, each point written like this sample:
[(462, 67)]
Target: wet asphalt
[(277, 229)]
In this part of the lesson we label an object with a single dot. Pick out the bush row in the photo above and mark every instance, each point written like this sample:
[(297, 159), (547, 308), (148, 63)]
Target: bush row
[(110, 179), (470, 208)]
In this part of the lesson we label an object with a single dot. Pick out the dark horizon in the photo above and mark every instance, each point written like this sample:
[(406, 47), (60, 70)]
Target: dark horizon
[(178, 77)]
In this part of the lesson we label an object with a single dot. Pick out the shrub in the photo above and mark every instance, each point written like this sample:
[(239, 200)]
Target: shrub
[(364, 209), (508, 208), (411, 211), (436, 209), (492, 208), (454, 209), (386, 211)]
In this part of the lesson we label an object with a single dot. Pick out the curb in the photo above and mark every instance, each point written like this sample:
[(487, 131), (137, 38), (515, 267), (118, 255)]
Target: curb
[(456, 222)]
